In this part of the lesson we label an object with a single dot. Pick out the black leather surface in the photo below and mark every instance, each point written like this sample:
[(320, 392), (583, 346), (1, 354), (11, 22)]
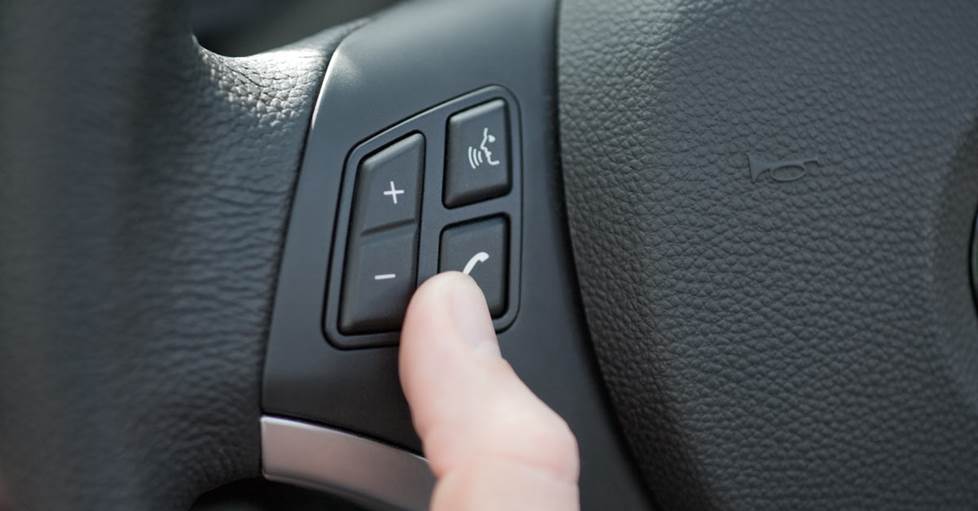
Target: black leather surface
[(144, 187), (780, 345)]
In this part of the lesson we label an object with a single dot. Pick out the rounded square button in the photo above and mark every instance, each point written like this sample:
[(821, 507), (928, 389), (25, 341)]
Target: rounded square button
[(388, 190), (381, 274), (478, 154), (480, 249)]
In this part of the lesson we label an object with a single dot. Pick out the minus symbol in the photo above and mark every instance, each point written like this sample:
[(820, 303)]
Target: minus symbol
[(385, 276)]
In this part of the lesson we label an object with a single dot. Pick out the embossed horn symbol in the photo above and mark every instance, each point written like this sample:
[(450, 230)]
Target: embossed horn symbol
[(783, 171)]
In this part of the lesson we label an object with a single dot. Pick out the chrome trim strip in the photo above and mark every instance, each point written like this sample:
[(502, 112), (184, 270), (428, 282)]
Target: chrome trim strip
[(319, 457)]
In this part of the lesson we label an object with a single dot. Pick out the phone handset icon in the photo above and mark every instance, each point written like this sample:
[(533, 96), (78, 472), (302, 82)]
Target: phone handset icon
[(481, 257)]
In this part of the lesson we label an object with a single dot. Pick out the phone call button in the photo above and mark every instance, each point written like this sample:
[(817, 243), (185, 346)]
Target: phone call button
[(480, 249)]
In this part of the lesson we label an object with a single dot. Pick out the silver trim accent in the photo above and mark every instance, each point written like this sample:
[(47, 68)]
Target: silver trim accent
[(322, 458)]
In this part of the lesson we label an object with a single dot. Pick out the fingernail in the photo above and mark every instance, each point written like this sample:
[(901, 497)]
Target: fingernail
[(470, 314)]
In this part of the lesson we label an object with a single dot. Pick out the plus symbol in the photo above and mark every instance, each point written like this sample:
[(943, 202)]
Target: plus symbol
[(393, 192)]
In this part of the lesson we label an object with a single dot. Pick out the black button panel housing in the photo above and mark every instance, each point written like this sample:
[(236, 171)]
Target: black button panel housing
[(449, 214)]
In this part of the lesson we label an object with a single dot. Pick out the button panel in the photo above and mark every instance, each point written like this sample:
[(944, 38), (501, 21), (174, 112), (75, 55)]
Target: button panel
[(440, 191)]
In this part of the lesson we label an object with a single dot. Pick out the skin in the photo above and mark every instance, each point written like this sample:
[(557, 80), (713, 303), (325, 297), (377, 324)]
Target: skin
[(491, 442)]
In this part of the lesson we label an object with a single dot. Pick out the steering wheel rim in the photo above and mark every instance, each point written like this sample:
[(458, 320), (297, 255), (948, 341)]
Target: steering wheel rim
[(144, 198)]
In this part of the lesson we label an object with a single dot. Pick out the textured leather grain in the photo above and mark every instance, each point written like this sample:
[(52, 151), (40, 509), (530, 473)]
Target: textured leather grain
[(144, 190), (802, 344)]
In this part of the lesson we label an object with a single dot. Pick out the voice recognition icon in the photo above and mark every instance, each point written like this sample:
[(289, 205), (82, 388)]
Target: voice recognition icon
[(482, 154)]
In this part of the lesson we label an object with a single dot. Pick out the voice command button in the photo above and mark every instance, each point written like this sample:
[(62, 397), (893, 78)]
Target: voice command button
[(477, 160)]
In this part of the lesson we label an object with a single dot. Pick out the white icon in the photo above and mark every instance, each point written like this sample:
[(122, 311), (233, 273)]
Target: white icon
[(385, 276), (482, 154), (393, 192), (481, 257)]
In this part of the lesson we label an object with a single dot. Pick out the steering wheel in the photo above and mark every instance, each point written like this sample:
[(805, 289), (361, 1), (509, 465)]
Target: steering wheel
[(732, 245)]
